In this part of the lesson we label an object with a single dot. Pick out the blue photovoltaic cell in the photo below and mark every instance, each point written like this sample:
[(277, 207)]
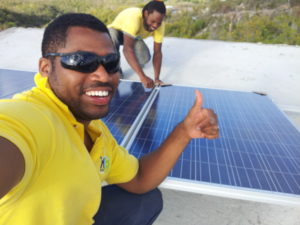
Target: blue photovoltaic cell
[(124, 108), (258, 147)]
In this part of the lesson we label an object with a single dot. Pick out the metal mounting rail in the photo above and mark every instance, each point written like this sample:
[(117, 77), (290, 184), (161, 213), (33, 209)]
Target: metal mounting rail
[(135, 127)]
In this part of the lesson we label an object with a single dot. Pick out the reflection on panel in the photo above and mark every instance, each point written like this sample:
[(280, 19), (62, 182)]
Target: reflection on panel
[(124, 108)]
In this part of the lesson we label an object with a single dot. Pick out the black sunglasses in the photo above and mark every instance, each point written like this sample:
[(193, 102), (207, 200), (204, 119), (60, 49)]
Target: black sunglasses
[(88, 62)]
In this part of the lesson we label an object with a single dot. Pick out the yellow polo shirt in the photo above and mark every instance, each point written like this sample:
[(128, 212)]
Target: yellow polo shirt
[(130, 21), (62, 180)]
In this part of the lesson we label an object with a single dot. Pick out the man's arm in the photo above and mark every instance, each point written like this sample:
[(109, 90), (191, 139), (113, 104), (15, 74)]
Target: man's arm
[(130, 56), (154, 167), (157, 60), (12, 166)]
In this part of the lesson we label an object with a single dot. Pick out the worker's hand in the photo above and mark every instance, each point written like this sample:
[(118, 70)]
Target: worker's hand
[(201, 122), (158, 82), (147, 82)]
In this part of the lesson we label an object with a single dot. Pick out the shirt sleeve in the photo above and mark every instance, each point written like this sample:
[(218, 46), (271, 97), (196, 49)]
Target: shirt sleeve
[(131, 25), (17, 133), (123, 166), (158, 34), (128, 21)]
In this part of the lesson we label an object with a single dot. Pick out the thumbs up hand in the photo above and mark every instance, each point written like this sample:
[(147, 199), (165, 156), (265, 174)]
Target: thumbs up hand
[(201, 122)]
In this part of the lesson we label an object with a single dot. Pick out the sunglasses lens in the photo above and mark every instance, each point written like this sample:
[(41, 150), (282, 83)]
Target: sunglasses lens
[(81, 62), (87, 62), (111, 63)]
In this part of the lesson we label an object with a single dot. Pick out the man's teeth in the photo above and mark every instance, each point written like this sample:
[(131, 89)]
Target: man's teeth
[(97, 93)]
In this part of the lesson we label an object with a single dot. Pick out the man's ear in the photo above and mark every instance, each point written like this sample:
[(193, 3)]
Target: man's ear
[(44, 67), (145, 15)]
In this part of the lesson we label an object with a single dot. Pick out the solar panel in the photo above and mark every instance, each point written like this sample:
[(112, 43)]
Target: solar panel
[(258, 148), (14, 81)]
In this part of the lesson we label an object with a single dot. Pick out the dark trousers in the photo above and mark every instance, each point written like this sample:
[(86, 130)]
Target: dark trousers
[(119, 207)]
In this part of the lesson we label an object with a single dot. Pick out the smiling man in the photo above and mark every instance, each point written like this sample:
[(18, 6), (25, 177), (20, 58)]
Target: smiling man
[(55, 152), (129, 29)]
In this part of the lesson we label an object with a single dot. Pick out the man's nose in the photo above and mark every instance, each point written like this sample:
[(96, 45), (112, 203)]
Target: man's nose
[(100, 74)]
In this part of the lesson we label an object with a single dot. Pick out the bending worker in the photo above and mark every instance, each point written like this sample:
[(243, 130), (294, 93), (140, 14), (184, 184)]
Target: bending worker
[(129, 29), (55, 152)]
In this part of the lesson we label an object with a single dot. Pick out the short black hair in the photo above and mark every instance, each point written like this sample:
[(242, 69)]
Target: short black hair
[(56, 32), (155, 5)]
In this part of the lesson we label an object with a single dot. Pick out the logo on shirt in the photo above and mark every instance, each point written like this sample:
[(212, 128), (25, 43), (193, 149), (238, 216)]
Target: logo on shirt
[(104, 163)]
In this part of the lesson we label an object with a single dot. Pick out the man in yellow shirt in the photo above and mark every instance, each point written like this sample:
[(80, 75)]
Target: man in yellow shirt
[(55, 152), (129, 29)]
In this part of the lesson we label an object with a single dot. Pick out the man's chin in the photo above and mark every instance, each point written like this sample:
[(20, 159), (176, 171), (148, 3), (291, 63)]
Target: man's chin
[(150, 30), (147, 28), (99, 115), (91, 116)]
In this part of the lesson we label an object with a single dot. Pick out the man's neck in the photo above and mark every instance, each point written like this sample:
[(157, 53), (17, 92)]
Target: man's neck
[(88, 142)]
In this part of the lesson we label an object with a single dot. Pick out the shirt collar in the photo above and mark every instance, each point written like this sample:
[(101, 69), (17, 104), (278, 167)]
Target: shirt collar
[(43, 85)]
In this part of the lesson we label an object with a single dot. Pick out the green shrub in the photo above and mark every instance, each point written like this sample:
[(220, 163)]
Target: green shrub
[(273, 30), (186, 27), (188, 18)]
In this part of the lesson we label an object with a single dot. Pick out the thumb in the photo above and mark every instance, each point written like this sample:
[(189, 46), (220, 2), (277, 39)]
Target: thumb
[(199, 99)]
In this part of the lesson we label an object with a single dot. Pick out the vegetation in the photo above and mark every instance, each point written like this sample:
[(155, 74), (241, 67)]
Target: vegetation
[(266, 21)]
